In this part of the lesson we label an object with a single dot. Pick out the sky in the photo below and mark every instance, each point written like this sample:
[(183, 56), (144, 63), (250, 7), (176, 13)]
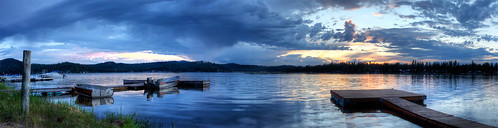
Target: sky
[(257, 32)]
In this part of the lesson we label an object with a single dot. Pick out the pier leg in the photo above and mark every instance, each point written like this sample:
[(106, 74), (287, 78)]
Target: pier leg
[(149, 82), (26, 81)]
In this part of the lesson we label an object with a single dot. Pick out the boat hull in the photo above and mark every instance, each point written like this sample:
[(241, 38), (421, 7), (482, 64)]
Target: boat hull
[(94, 91), (53, 75), (166, 83)]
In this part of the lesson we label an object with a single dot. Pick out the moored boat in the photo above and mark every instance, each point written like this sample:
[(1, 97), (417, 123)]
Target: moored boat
[(94, 91), (53, 75), (166, 82)]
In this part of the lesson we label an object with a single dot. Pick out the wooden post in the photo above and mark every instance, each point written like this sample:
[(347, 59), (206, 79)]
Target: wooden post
[(150, 81), (26, 81)]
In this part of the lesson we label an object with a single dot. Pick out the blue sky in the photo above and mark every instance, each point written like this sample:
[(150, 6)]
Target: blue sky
[(261, 32)]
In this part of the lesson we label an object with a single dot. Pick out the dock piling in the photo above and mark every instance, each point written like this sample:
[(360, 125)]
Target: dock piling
[(150, 82)]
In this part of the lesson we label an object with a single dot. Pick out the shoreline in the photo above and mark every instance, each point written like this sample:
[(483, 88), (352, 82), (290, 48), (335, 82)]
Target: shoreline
[(44, 113)]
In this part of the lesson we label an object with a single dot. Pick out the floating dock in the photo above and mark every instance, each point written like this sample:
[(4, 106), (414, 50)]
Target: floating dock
[(400, 102), (135, 86), (193, 84), (53, 91), (32, 79), (134, 81), (347, 98)]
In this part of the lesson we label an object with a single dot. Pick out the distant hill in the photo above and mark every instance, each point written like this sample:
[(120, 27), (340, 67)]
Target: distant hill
[(10, 66), (13, 66)]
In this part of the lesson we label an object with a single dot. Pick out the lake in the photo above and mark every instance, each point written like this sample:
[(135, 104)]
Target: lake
[(284, 100)]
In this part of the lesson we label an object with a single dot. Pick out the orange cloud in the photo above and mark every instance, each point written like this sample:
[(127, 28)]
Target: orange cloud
[(359, 51), (140, 56), (377, 14)]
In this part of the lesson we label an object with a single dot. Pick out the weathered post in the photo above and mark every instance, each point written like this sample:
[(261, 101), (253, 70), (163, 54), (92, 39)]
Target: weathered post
[(149, 82), (26, 81)]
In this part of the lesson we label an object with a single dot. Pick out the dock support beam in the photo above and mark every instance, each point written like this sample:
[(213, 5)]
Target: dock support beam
[(26, 81), (149, 83)]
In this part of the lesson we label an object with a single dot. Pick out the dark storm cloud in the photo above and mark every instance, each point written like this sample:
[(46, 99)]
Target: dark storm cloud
[(446, 28), (407, 16), (212, 24), (469, 15), (415, 43), (352, 4), (311, 6), (349, 30), (488, 38)]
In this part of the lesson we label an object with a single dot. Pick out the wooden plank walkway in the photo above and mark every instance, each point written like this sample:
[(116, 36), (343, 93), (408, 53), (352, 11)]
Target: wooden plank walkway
[(32, 79), (45, 90), (428, 116), (193, 84), (400, 101), (137, 86), (354, 97)]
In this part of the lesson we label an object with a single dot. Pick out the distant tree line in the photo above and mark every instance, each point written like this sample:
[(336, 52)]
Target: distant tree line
[(12, 66), (416, 67)]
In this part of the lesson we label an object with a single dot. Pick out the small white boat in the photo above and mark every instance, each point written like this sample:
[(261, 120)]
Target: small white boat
[(53, 75), (94, 91)]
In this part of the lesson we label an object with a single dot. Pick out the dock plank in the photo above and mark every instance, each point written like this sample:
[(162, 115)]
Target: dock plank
[(355, 97), (375, 93), (44, 90), (193, 84), (400, 101), (136, 86), (427, 115)]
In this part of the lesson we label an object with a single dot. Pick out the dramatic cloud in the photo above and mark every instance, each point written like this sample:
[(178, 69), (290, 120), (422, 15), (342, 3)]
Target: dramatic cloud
[(469, 15), (352, 4), (269, 32), (349, 30), (417, 44)]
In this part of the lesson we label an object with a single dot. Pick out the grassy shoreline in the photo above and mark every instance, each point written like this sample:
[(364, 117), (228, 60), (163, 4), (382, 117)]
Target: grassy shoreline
[(44, 113)]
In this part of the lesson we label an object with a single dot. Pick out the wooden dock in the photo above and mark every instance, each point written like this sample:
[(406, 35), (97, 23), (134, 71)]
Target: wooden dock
[(134, 81), (53, 91), (31, 79), (128, 85), (193, 84), (347, 98), (400, 102), (429, 117), (135, 86)]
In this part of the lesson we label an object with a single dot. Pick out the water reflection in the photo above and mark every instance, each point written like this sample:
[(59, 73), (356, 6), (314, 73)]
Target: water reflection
[(290, 100), (87, 101), (160, 92)]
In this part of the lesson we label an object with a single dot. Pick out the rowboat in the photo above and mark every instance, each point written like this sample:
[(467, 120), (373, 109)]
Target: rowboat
[(53, 75), (166, 82), (94, 91)]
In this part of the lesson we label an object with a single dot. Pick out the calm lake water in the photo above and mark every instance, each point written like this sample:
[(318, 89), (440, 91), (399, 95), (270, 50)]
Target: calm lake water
[(284, 100)]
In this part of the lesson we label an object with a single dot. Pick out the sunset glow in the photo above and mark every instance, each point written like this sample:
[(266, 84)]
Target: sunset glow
[(256, 32), (134, 57), (362, 52)]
